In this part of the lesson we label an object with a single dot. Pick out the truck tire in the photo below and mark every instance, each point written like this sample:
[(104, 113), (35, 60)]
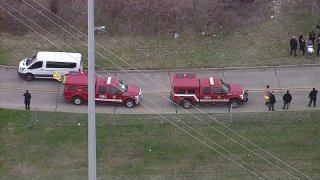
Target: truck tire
[(129, 103), (77, 100), (234, 103), (29, 77), (186, 104)]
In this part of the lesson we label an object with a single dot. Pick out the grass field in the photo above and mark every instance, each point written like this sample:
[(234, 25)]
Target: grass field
[(265, 43), (148, 147)]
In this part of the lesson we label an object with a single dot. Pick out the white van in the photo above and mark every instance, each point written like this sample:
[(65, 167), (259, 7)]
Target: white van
[(44, 64)]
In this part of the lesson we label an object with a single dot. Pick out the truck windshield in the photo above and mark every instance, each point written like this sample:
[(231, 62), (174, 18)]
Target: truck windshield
[(31, 59), (225, 86), (122, 87)]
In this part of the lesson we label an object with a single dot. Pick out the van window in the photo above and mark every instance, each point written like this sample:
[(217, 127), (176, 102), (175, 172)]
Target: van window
[(102, 89), (85, 89), (31, 59), (51, 64), (36, 65), (206, 90)]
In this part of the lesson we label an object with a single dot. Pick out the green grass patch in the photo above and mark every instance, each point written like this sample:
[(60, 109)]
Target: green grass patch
[(149, 147), (4, 56)]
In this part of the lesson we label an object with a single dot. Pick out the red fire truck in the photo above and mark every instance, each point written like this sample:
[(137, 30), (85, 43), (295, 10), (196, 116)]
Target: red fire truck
[(188, 90), (106, 90)]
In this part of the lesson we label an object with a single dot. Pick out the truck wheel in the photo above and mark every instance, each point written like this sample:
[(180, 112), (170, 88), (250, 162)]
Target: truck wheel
[(77, 100), (234, 103), (129, 103), (29, 77), (186, 104)]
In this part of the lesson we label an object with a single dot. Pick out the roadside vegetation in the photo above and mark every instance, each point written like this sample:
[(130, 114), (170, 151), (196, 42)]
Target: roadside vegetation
[(148, 147), (251, 42)]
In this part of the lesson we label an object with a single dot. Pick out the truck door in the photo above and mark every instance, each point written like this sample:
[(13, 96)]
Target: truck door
[(101, 95), (206, 95), (114, 94), (219, 95)]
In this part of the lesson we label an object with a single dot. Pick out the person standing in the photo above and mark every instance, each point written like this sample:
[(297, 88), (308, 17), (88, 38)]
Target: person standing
[(27, 98), (272, 101), (312, 36), (313, 97), (300, 41), (293, 45), (286, 100), (303, 46), (318, 48), (266, 94)]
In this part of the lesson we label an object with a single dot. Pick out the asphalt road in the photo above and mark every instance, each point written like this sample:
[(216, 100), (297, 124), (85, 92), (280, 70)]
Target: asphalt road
[(47, 94)]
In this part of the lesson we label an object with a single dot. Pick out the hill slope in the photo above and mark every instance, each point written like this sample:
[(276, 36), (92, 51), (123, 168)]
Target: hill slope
[(258, 43)]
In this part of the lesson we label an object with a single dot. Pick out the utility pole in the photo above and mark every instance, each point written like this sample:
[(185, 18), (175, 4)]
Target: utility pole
[(92, 172)]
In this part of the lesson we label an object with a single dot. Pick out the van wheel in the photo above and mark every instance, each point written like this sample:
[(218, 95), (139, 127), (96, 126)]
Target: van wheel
[(186, 104), (233, 103), (129, 103), (77, 100), (29, 77)]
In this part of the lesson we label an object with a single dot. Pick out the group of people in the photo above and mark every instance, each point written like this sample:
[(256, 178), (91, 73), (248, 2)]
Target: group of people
[(302, 43), (287, 98)]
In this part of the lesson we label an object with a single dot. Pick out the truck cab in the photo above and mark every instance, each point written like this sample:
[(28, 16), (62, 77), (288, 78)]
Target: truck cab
[(217, 91)]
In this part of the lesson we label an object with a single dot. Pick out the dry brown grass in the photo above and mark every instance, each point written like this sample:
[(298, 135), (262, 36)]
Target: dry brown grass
[(257, 44), (142, 17)]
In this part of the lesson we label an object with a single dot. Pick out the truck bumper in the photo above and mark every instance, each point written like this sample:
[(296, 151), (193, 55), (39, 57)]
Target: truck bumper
[(138, 100), (245, 96)]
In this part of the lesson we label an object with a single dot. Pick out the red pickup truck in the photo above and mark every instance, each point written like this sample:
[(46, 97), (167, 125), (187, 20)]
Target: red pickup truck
[(106, 90), (188, 90)]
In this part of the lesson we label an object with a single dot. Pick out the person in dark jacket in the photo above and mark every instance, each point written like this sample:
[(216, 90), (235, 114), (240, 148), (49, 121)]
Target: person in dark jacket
[(303, 46), (300, 41), (27, 98), (293, 45), (313, 97), (286, 100), (272, 101), (312, 36)]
